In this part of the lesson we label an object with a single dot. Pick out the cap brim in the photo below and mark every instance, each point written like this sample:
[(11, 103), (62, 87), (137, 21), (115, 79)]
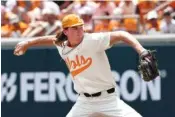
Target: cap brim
[(79, 24)]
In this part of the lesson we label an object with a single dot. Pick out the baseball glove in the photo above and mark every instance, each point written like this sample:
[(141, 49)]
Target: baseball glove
[(148, 65)]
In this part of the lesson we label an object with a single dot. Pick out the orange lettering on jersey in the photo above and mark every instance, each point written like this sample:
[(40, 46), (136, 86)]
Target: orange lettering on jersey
[(78, 65)]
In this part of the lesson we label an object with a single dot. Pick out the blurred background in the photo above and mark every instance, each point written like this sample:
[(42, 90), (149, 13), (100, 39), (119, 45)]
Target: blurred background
[(39, 84), (37, 18)]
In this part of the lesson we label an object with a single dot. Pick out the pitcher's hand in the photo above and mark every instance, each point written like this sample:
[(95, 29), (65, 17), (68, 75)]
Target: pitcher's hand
[(21, 48)]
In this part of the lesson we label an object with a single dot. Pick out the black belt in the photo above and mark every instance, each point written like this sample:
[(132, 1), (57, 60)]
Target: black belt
[(112, 90)]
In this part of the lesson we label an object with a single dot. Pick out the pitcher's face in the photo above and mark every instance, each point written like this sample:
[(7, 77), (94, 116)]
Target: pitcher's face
[(75, 34)]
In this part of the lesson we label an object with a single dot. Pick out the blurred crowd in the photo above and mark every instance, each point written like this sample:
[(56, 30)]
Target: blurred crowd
[(38, 18)]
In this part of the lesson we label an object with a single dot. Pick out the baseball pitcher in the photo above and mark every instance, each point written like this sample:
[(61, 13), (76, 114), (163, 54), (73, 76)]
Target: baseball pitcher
[(85, 57)]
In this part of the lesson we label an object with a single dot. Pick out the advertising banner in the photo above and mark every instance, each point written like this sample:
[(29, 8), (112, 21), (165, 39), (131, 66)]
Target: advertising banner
[(38, 83)]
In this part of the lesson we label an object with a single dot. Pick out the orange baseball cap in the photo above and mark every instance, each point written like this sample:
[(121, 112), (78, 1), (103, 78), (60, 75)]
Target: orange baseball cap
[(72, 20)]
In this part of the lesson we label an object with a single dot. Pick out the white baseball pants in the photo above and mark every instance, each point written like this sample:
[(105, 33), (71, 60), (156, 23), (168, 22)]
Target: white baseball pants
[(106, 105)]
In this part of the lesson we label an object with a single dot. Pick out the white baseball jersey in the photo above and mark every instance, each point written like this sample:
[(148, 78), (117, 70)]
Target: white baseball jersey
[(88, 63)]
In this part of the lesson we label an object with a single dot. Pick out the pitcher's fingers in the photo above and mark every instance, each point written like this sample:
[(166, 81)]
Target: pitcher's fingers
[(21, 52), (17, 54), (16, 51), (17, 48)]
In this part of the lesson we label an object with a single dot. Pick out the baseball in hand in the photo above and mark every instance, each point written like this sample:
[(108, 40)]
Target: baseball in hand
[(20, 52)]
